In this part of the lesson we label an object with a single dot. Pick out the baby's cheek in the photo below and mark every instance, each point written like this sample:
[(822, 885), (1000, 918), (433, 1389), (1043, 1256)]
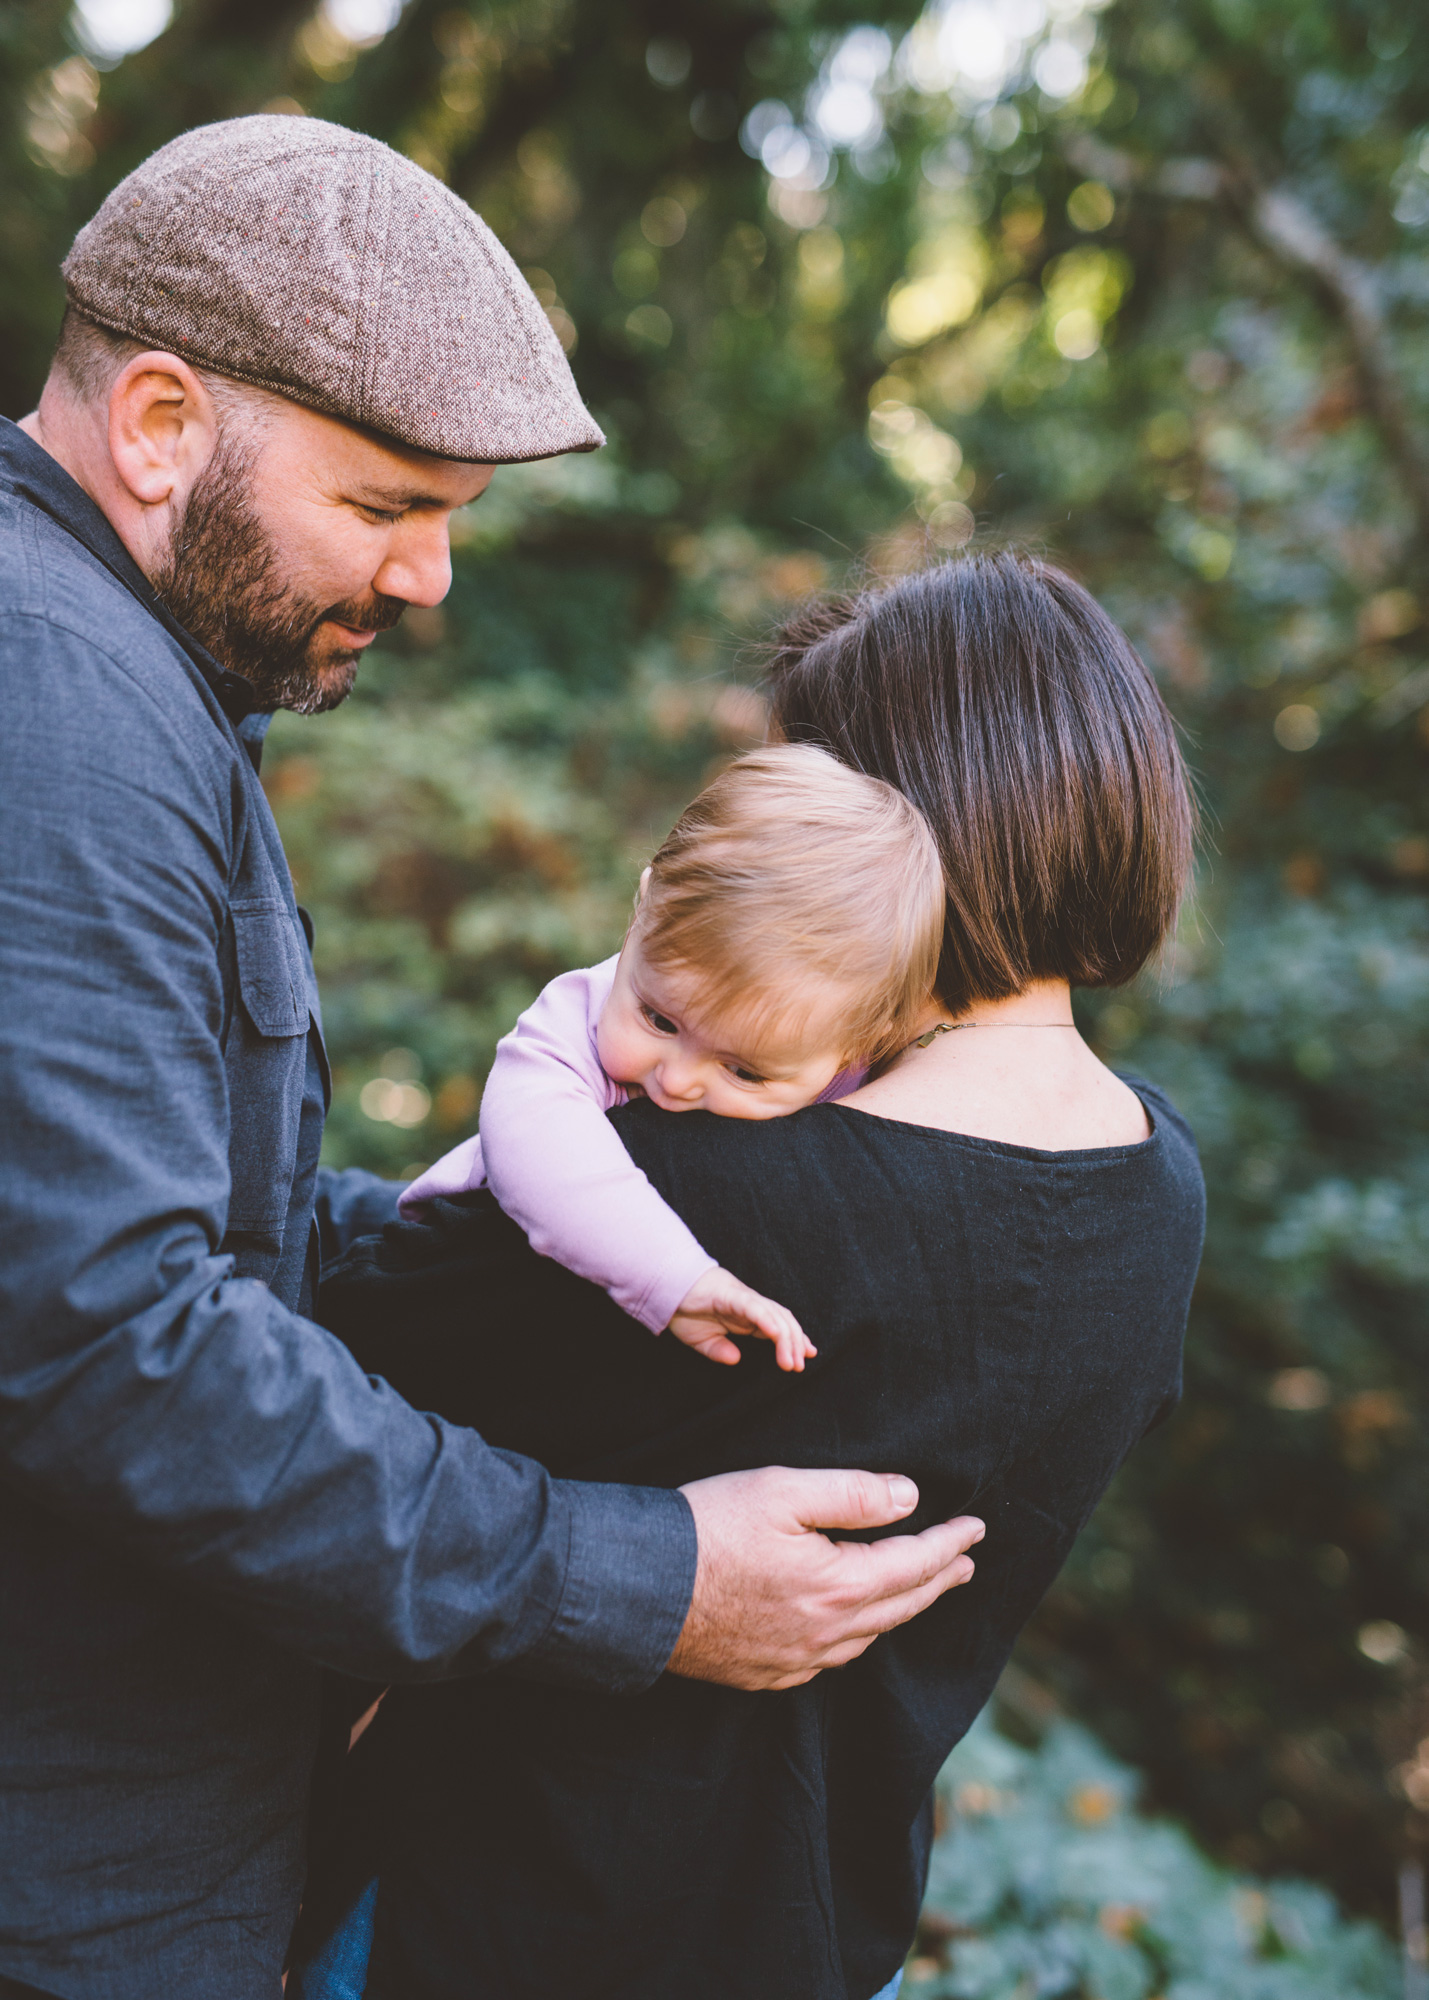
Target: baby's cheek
[(798, 1100), (761, 1108), (622, 1055)]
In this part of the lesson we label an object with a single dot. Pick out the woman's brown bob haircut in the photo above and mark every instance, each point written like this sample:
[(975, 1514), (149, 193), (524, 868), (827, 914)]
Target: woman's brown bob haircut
[(997, 695)]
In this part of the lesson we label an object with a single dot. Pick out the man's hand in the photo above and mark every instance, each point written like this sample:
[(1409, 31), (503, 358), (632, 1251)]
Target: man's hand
[(718, 1304), (775, 1601)]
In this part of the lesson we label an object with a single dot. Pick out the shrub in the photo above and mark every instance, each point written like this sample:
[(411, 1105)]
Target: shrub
[(1048, 1884)]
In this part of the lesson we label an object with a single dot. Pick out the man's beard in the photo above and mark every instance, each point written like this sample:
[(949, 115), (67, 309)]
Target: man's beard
[(224, 582)]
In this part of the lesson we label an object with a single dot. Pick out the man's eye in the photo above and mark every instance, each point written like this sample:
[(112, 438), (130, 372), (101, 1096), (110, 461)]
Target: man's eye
[(381, 514), (661, 1023)]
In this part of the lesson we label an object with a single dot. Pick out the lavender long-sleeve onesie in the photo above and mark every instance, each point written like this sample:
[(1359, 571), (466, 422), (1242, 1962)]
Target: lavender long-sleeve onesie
[(552, 1159)]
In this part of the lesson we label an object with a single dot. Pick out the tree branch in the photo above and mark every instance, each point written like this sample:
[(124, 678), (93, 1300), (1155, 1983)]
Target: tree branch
[(1294, 235)]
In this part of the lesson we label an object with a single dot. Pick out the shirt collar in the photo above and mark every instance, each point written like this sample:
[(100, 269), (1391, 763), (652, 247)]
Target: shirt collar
[(27, 470)]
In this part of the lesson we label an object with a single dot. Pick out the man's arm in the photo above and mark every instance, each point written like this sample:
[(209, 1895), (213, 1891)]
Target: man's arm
[(145, 1394), (352, 1203)]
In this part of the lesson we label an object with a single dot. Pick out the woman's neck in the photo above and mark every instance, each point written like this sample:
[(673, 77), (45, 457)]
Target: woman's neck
[(1047, 1002), (1015, 1070)]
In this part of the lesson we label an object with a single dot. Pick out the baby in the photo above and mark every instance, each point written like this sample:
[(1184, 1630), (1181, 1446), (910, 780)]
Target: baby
[(785, 938)]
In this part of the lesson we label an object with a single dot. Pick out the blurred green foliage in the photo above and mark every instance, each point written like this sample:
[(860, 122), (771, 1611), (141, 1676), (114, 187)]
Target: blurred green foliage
[(1143, 284), (1045, 1880)]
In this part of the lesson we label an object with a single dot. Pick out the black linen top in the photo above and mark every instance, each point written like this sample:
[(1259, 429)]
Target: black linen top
[(1001, 1324)]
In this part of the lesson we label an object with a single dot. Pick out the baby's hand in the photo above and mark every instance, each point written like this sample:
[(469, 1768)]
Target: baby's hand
[(718, 1305)]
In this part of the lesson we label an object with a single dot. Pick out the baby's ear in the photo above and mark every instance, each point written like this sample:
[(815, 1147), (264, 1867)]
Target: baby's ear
[(644, 885)]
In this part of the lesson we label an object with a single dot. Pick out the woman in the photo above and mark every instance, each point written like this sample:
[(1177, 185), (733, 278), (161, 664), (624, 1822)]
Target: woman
[(993, 1244)]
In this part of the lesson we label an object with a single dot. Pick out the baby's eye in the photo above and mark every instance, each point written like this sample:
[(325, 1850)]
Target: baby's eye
[(745, 1075), (661, 1023)]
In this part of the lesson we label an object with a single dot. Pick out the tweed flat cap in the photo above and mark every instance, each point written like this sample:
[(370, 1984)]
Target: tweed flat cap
[(317, 262)]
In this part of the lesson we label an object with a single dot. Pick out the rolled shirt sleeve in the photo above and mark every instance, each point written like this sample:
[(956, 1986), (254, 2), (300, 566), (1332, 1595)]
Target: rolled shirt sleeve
[(609, 1612), (148, 1395)]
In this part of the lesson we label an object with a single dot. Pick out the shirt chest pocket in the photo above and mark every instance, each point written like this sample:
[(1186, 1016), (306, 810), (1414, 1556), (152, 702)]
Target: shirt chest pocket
[(266, 1058)]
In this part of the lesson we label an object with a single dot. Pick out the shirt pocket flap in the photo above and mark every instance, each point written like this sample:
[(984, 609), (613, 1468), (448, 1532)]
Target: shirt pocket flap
[(272, 975)]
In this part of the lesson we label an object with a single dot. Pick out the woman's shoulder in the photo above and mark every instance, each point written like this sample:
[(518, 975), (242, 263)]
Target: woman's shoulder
[(824, 1133), (679, 1138), (832, 1159), (737, 1177), (1172, 1193), (1167, 1120)]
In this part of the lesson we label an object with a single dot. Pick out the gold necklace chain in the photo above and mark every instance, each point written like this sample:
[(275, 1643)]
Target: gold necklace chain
[(954, 1027)]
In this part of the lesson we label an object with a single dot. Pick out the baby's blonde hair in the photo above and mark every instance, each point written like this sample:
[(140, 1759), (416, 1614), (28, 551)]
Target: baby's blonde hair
[(791, 864)]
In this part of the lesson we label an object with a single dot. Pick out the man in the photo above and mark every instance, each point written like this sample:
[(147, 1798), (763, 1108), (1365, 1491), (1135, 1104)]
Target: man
[(289, 356)]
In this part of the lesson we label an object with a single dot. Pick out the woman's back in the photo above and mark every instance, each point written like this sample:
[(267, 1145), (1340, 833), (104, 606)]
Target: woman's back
[(999, 1323)]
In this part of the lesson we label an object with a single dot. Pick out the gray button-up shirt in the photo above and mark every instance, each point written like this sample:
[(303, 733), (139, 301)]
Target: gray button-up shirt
[(201, 1495)]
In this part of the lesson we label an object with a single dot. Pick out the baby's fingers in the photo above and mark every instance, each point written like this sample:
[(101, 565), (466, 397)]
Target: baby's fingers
[(792, 1350), (713, 1345), (792, 1346)]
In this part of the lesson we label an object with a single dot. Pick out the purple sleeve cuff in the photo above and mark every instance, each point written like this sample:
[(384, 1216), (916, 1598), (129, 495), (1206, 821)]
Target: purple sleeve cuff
[(661, 1300)]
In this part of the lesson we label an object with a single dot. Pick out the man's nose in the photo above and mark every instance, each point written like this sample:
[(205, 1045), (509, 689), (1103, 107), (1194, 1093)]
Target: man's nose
[(418, 568)]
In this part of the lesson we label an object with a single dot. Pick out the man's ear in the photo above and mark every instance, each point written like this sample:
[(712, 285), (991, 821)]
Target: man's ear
[(163, 428)]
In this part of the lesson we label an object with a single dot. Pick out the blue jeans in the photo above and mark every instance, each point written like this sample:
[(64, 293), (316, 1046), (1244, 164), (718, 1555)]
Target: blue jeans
[(339, 1972)]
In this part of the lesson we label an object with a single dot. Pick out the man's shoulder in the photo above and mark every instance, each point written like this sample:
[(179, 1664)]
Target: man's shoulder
[(48, 579), (73, 637), (95, 693)]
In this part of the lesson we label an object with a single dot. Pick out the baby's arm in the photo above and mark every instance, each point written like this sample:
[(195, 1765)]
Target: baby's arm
[(556, 1165), (718, 1305)]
